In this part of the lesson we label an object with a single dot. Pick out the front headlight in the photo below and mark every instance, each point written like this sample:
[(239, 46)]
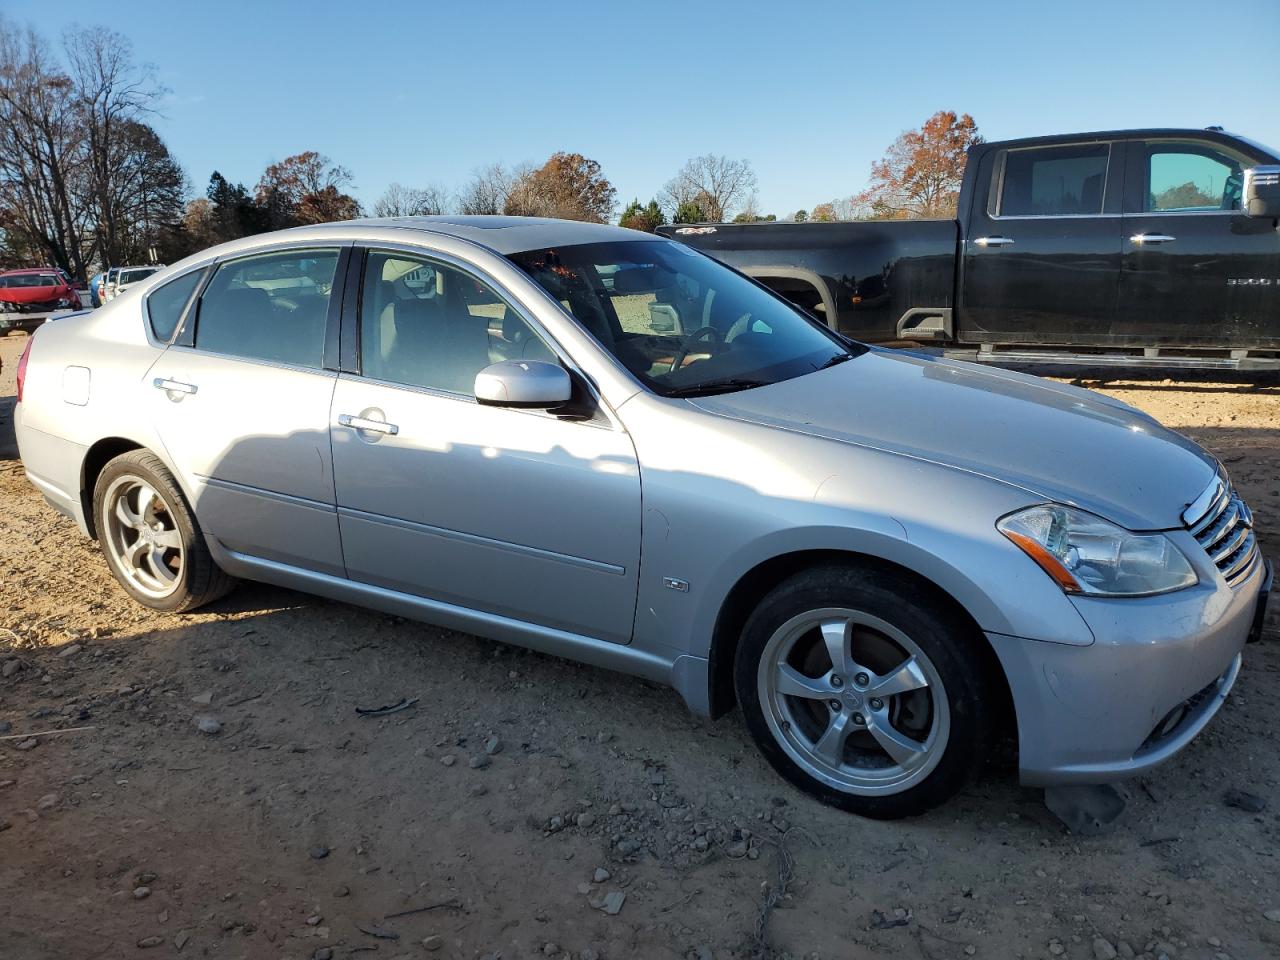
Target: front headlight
[(1086, 554)]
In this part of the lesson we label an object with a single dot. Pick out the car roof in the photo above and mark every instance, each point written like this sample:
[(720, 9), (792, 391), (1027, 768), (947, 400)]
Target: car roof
[(506, 235), (49, 271)]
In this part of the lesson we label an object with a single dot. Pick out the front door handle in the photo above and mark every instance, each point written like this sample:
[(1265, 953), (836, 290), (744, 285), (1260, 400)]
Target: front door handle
[(363, 423), (173, 386), (993, 241), (1144, 238)]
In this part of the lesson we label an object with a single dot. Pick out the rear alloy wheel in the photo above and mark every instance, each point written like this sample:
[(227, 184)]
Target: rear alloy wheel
[(152, 542), (860, 693)]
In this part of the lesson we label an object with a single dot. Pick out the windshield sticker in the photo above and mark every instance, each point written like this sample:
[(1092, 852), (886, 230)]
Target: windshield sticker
[(693, 231)]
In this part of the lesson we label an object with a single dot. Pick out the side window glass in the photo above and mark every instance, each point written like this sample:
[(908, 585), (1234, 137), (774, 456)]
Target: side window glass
[(426, 324), (165, 304), (1191, 177), (271, 307), (1054, 181)]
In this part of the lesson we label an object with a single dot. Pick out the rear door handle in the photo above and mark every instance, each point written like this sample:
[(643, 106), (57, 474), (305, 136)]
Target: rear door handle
[(993, 241), (363, 423), (1145, 238), (173, 386)]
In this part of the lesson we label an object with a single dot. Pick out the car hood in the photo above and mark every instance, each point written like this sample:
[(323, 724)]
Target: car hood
[(1057, 442), (32, 294)]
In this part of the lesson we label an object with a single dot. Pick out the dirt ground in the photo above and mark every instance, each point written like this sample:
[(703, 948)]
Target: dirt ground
[(303, 830)]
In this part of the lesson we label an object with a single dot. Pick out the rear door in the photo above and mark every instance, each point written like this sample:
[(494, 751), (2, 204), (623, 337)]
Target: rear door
[(1196, 271), (241, 402), (1042, 254)]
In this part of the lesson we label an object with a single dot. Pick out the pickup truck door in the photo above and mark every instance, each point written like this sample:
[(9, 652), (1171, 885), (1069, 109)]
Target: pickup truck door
[(1196, 271), (1042, 248)]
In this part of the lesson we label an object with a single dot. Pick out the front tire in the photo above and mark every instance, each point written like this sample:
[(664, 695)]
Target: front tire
[(150, 537), (860, 690)]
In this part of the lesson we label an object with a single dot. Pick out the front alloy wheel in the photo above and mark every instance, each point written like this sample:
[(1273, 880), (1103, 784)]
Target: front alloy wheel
[(864, 689), (854, 701)]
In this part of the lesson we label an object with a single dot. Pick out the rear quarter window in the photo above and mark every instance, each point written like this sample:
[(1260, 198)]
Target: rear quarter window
[(166, 304)]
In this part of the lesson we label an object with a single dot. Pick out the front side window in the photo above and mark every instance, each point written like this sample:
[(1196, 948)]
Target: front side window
[(1054, 181), (427, 324), (166, 303), (270, 307), (683, 323), (1190, 177)]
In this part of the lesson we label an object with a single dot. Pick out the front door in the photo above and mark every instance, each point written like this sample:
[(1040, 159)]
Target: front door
[(1042, 255), (1197, 271), (513, 512), (243, 409)]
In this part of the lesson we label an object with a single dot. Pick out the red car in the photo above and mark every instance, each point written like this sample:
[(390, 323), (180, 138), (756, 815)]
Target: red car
[(38, 290)]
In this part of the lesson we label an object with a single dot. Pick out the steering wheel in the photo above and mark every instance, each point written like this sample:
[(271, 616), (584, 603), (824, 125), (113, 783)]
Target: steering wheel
[(688, 343)]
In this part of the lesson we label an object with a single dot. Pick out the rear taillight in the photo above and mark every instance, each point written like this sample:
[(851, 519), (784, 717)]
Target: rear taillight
[(22, 366)]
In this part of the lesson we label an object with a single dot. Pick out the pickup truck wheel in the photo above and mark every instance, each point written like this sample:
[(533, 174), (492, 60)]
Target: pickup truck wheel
[(150, 538), (859, 691)]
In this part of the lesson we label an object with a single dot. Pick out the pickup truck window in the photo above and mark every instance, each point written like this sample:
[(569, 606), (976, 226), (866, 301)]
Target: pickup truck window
[(1191, 177), (1063, 181), (683, 323)]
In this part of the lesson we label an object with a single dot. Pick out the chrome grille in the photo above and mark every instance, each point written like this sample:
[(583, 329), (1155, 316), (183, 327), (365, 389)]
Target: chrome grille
[(1225, 530)]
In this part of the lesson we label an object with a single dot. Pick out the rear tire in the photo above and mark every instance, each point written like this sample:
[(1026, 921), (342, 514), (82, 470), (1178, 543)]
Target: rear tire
[(861, 691), (150, 537)]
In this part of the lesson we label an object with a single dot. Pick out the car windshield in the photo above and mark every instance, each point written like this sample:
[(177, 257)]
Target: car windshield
[(683, 323), (133, 276), (30, 280)]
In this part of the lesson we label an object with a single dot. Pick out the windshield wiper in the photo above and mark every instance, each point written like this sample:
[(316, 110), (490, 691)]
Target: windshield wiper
[(711, 387), (838, 358)]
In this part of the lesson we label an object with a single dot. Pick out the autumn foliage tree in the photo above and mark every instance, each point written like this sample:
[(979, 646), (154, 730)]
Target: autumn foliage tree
[(305, 188), (569, 186), (919, 176)]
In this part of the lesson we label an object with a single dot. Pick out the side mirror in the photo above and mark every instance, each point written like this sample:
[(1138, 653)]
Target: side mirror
[(1262, 191), (523, 383)]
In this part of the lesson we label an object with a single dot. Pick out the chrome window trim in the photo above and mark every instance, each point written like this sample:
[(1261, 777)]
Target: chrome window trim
[(1206, 212), (260, 361), (995, 199), (421, 251)]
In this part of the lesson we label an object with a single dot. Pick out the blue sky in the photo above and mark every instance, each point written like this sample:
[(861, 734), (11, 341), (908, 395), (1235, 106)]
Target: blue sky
[(810, 92)]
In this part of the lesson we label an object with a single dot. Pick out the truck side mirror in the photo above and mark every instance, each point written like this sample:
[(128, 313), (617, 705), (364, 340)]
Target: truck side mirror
[(1262, 191)]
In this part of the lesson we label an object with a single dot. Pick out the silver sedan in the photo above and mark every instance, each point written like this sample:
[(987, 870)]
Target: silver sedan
[(607, 446)]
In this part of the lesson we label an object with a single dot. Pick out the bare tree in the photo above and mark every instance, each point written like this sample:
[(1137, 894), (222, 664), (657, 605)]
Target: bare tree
[(42, 155), (489, 189), (113, 95), (402, 201), (718, 185)]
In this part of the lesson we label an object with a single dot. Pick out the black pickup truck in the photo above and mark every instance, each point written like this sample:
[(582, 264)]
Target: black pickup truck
[(1130, 248)]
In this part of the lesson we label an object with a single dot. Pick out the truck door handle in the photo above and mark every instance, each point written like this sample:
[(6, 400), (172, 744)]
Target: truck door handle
[(993, 241), (173, 386), (362, 423), (1144, 238)]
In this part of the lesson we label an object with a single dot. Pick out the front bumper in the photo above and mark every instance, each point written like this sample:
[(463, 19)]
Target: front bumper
[(1159, 670)]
